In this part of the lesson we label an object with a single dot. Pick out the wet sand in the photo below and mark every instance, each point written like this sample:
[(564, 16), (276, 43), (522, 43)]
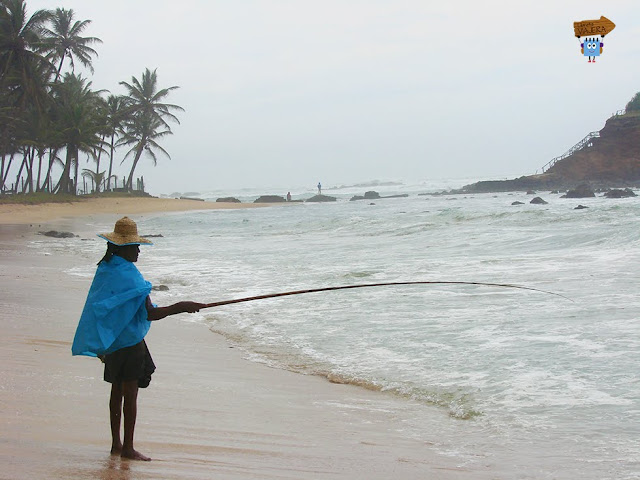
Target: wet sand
[(208, 413), (25, 214)]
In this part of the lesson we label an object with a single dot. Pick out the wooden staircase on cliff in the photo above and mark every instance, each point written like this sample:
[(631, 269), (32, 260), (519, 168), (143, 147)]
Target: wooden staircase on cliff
[(586, 142)]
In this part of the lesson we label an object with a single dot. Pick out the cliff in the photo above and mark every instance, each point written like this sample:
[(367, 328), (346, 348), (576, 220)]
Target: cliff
[(613, 157), (611, 160)]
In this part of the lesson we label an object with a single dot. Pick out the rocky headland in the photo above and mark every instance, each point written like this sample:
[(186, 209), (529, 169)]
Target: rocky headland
[(610, 160)]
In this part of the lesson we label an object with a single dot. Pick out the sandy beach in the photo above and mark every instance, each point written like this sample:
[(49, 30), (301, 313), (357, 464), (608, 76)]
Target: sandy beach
[(25, 214), (208, 413)]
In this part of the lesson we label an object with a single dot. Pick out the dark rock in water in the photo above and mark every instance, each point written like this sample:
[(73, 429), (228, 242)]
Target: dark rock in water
[(372, 203), (581, 191), (517, 203), (57, 234), (617, 193), (580, 207), (160, 288), (191, 198), (227, 200), (321, 198), (270, 199), (401, 195), (531, 192), (538, 201), (375, 196)]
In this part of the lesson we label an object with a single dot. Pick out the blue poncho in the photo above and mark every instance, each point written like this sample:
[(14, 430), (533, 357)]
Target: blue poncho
[(115, 313)]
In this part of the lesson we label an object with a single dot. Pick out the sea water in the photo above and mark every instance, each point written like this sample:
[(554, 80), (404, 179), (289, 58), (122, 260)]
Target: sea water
[(547, 383)]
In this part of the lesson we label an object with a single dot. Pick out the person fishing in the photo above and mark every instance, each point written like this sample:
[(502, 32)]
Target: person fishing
[(115, 319)]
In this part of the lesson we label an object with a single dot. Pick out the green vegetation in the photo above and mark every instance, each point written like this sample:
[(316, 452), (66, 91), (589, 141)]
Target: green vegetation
[(634, 104), (38, 198), (51, 119)]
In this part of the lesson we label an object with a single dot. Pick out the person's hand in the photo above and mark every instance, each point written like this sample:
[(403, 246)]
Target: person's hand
[(190, 307)]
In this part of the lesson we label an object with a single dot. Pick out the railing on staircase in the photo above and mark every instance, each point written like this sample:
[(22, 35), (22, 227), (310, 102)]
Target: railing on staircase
[(584, 143)]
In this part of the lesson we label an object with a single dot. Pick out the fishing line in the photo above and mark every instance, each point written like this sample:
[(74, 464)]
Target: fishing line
[(368, 285)]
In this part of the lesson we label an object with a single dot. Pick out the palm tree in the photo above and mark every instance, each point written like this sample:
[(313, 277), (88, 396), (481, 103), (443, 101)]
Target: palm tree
[(97, 178), (142, 134), (24, 74), (147, 118), (22, 67), (115, 117), (63, 40), (77, 117)]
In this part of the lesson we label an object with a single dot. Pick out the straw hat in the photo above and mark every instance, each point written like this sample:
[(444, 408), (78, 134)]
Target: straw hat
[(125, 233)]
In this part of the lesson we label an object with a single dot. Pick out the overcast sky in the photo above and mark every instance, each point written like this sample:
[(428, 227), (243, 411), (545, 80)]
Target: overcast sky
[(288, 93)]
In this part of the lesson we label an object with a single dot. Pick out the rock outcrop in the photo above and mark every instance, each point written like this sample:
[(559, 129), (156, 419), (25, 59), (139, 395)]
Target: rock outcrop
[(269, 199), (538, 201), (581, 191), (321, 198), (610, 160), (616, 193), (57, 234)]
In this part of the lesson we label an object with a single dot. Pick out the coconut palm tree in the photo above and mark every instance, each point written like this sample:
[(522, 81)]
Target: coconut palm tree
[(147, 118), (97, 178), (116, 114), (76, 114), (143, 134), (63, 40), (24, 73), (22, 66)]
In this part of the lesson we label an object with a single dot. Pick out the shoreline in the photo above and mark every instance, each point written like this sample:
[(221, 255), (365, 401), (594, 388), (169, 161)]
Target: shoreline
[(209, 412), (17, 214)]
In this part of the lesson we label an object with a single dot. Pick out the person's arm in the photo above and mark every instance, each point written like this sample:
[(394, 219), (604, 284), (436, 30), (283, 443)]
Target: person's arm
[(157, 313)]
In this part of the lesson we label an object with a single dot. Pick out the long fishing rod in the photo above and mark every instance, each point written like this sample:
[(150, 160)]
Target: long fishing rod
[(367, 285)]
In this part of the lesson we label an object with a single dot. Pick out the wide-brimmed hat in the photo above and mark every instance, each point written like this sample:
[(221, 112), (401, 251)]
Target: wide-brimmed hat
[(125, 233)]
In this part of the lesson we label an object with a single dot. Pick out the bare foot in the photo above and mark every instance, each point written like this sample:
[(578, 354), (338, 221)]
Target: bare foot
[(116, 449), (134, 455)]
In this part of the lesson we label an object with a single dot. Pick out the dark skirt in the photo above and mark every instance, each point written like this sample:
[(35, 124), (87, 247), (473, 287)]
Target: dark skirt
[(129, 363)]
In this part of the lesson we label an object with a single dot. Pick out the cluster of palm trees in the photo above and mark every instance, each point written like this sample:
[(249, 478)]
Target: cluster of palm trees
[(49, 117)]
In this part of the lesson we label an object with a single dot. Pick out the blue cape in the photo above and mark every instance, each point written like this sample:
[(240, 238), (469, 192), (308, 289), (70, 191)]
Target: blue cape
[(115, 313)]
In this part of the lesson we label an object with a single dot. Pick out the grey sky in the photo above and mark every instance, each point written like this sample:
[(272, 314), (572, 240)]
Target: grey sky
[(287, 93)]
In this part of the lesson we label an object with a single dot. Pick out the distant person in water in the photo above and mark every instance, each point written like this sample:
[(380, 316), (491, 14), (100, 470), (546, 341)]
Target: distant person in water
[(319, 189), (116, 317), (288, 196)]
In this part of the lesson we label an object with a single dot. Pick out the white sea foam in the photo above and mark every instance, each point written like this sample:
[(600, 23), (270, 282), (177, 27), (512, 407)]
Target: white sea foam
[(535, 374)]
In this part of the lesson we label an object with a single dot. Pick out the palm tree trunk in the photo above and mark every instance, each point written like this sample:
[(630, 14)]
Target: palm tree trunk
[(31, 153), (75, 175), (110, 163), (3, 178), (40, 155), (65, 179), (2, 173), (24, 161), (47, 177), (135, 164), (59, 68), (98, 162)]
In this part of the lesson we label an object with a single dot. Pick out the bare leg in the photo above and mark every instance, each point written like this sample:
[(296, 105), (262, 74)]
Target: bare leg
[(130, 410), (115, 413)]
